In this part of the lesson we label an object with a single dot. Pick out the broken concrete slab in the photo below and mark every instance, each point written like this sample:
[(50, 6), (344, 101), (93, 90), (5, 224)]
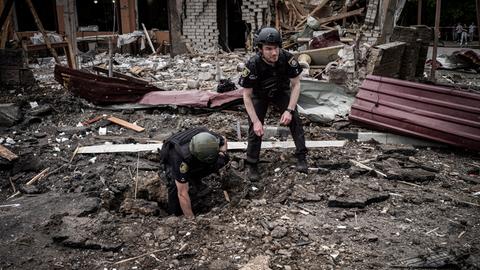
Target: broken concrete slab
[(10, 114), (357, 194), (41, 110), (333, 165), (83, 232), (406, 150), (411, 175)]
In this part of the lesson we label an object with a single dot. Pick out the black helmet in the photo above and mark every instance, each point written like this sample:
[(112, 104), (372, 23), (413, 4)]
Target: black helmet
[(204, 146), (269, 36)]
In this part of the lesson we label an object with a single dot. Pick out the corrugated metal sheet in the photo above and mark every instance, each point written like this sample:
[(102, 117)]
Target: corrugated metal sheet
[(438, 113), (100, 89)]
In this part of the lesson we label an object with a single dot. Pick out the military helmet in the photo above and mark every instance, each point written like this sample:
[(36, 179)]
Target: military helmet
[(204, 146), (268, 36)]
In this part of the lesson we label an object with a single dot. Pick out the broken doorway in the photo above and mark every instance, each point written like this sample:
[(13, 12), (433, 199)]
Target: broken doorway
[(98, 13), (230, 25), (153, 13)]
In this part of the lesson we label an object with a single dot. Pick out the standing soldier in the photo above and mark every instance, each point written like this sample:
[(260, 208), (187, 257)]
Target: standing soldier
[(187, 157), (268, 78)]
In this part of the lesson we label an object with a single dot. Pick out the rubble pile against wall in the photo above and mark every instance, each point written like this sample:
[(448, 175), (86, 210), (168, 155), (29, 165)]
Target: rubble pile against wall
[(200, 24)]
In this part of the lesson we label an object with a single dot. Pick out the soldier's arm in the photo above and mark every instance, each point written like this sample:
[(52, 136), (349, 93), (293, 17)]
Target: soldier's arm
[(247, 100), (295, 83), (184, 199)]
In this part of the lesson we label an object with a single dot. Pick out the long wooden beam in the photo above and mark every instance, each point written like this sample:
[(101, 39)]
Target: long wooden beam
[(419, 12), (6, 10), (119, 148)]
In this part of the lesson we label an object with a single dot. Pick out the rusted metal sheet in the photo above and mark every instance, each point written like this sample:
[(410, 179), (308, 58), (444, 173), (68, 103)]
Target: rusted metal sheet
[(100, 89), (103, 90), (191, 98), (438, 113)]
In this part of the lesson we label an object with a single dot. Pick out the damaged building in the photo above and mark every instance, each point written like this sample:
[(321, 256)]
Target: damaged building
[(92, 90)]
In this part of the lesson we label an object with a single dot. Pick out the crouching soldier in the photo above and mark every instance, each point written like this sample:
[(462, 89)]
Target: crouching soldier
[(187, 157)]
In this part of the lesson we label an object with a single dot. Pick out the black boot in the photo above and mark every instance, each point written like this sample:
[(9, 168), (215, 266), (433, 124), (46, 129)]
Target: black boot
[(252, 172), (302, 165)]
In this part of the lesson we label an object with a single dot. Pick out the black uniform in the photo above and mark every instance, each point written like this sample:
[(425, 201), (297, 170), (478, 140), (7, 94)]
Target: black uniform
[(180, 165), (271, 84)]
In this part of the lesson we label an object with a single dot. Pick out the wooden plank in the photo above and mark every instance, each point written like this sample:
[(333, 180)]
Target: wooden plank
[(120, 148), (7, 154), (125, 17), (125, 124), (5, 12), (70, 27), (340, 16), (319, 6), (299, 8), (148, 38), (5, 30)]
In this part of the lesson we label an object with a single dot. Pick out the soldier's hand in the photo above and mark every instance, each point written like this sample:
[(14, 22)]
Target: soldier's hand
[(258, 128), (286, 118)]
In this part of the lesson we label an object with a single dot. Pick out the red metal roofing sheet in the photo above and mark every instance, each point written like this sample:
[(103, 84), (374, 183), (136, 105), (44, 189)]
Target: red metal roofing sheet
[(193, 98), (428, 111)]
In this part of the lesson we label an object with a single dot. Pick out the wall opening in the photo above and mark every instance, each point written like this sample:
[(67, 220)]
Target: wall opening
[(99, 13), (230, 25), (154, 14), (46, 10)]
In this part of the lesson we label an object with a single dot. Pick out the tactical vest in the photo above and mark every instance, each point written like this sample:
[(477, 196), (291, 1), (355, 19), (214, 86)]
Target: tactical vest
[(180, 143), (268, 83)]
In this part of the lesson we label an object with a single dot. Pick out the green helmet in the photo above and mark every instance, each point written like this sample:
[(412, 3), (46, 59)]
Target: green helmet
[(204, 146)]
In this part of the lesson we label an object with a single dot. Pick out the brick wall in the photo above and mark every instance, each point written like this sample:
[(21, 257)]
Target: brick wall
[(256, 13), (417, 39), (384, 59), (200, 24), (371, 29)]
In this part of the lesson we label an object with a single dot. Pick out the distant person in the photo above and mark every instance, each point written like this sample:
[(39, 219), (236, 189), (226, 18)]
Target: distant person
[(454, 33), (458, 32), (471, 31), (464, 36)]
